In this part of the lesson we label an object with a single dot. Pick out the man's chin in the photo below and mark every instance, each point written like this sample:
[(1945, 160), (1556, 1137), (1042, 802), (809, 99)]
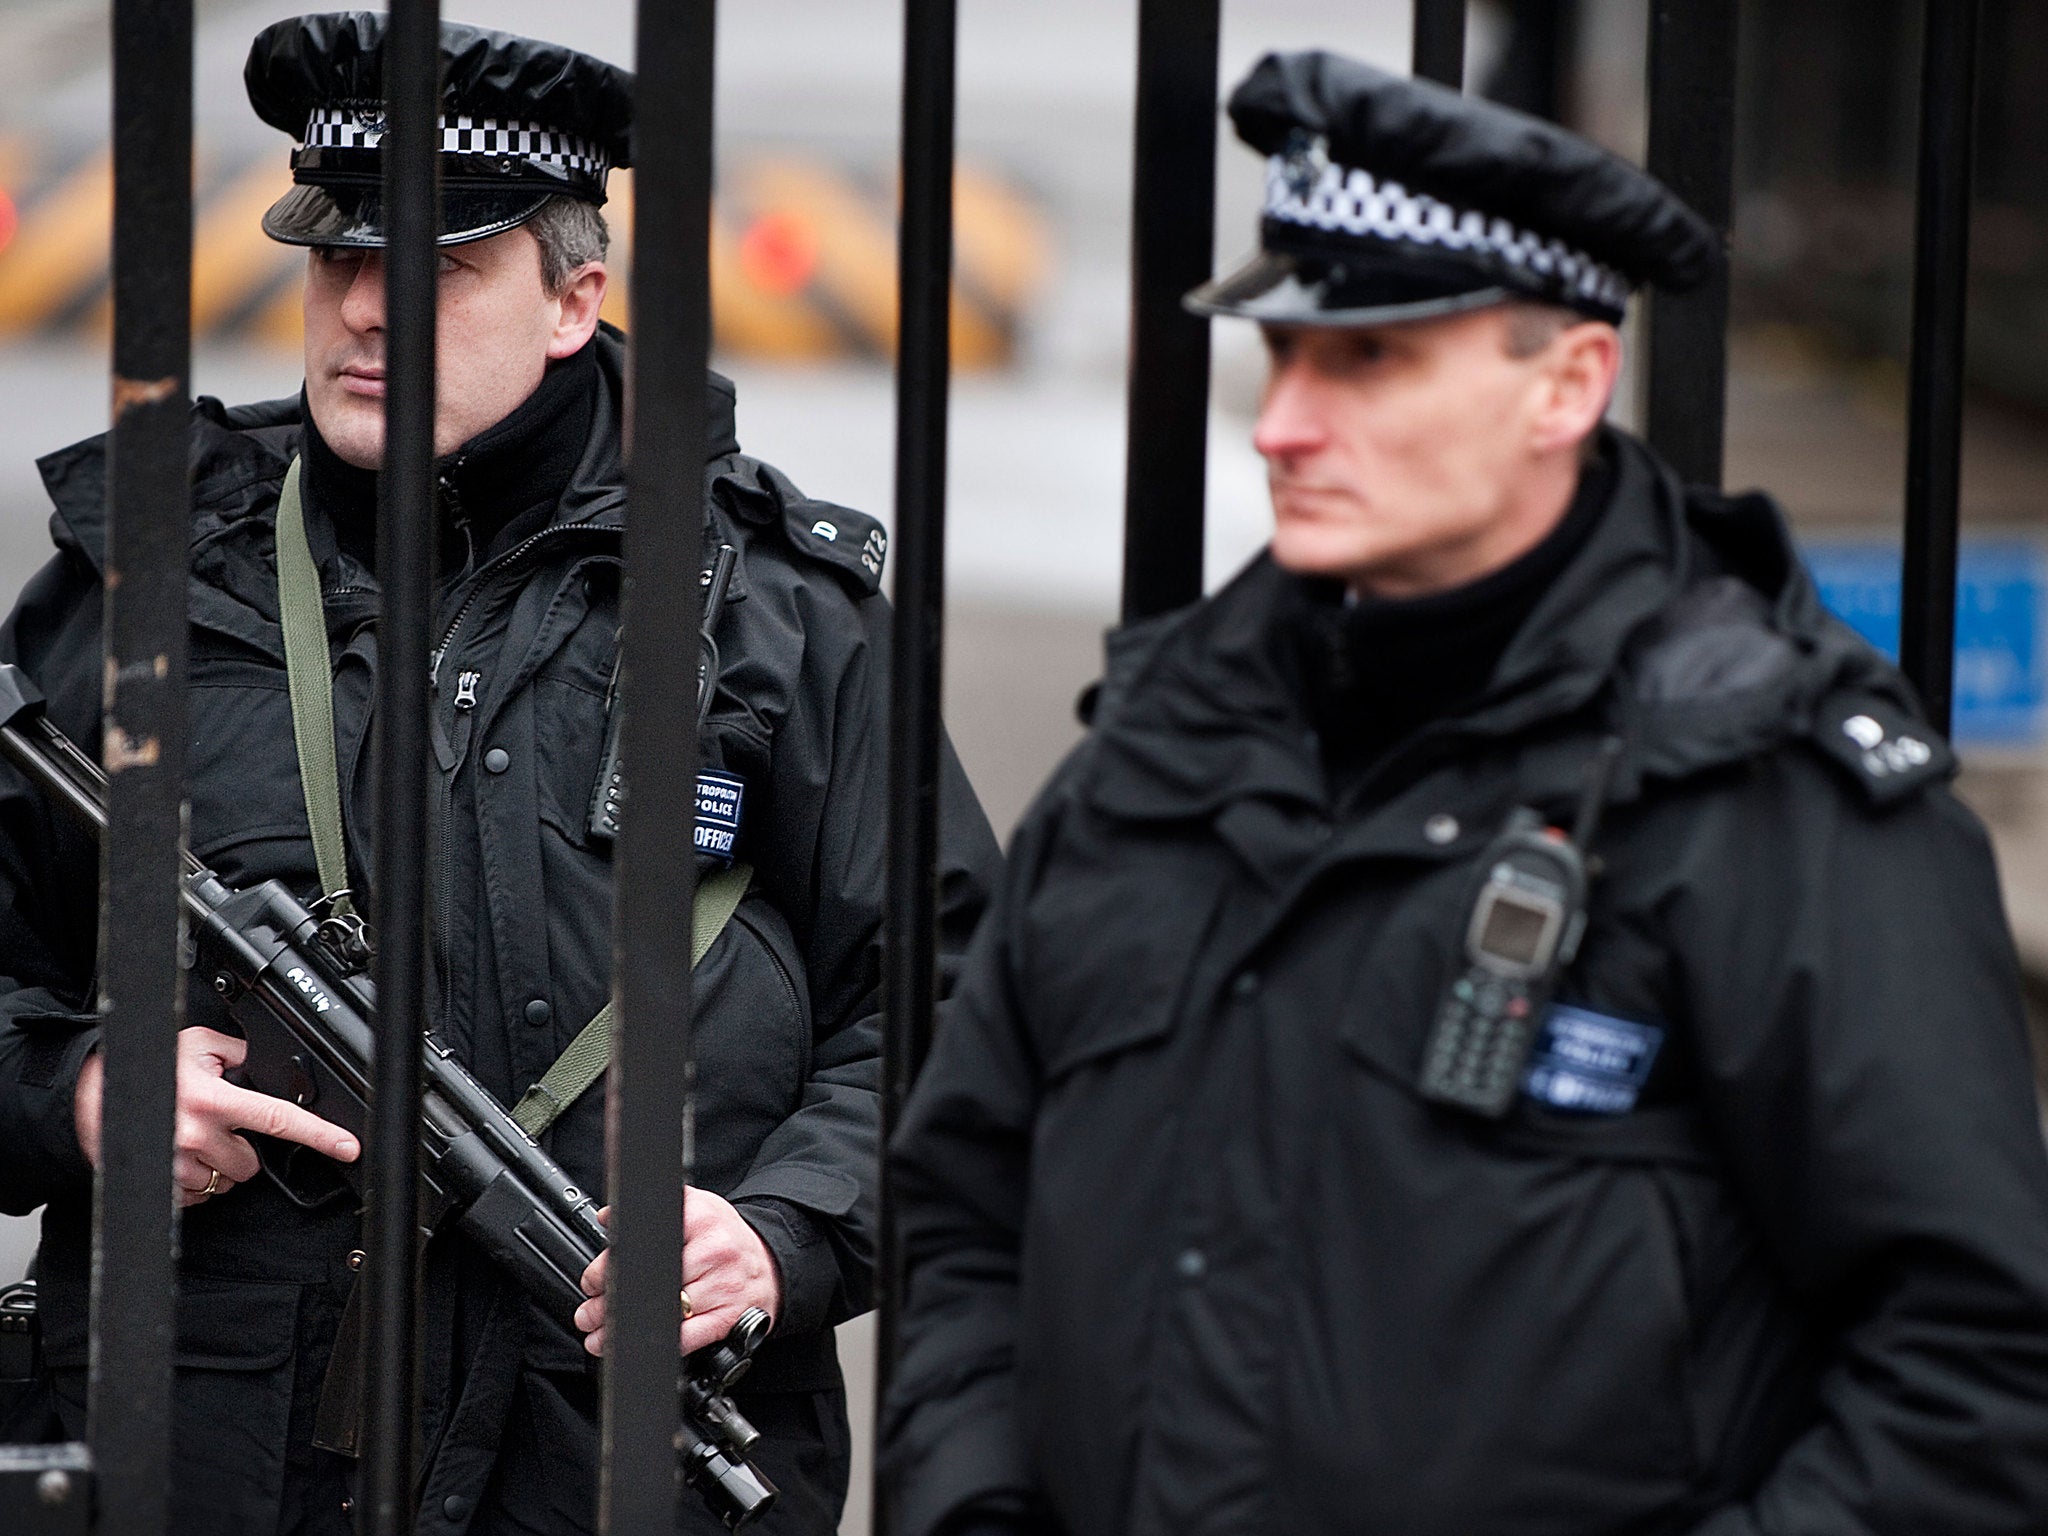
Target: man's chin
[(1310, 556), (353, 434)]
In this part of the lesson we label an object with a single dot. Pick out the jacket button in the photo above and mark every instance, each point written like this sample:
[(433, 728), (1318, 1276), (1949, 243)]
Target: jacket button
[(497, 759), (455, 1506), (538, 1011), (348, 1506), (1246, 985), (1192, 1264), (1441, 829)]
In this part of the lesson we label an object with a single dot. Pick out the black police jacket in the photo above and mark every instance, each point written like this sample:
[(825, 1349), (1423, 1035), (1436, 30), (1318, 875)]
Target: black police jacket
[(787, 1030), (1191, 1254)]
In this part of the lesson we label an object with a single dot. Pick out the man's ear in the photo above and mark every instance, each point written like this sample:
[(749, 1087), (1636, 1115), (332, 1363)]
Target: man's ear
[(576, 322), (1580, 367)]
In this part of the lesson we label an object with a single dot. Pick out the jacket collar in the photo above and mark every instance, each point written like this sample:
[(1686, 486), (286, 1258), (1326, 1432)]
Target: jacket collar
[(1687, 621), (239, 456)]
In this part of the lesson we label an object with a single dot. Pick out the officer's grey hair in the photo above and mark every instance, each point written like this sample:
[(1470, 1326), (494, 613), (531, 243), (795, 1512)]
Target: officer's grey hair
[(572, 234), (1533, 326)]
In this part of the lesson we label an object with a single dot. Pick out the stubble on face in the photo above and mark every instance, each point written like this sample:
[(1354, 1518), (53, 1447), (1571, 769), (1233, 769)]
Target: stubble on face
[(493, 321)]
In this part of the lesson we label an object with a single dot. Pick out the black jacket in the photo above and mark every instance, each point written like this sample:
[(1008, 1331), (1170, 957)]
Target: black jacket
[(787, 1031), (1190, 1253)]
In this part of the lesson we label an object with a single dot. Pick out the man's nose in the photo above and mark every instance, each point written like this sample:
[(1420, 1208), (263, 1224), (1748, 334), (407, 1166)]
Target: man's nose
[(1290, 417), (362, 307)]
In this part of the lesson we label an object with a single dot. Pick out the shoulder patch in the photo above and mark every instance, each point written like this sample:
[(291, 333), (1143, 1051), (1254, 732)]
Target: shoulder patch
[(850, 541), (1887, 751)]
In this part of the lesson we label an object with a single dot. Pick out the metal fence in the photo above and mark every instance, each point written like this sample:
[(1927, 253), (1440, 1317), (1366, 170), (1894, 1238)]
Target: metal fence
[(119, 1483)]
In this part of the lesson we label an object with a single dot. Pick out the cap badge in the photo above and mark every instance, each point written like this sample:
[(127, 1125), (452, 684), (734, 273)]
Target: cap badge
[(1305, 162)]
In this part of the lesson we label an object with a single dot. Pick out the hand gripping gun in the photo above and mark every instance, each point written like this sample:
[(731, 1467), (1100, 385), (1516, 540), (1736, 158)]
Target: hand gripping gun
[(295, 984)]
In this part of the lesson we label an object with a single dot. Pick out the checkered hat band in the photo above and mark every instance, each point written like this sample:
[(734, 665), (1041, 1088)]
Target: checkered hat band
[(1345, 200), (360, 128)]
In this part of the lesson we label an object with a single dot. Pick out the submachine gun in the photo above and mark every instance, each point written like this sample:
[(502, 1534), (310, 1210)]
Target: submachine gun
[(296, 985)]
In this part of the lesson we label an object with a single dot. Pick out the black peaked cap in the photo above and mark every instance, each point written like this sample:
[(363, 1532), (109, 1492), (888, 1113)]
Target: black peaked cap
[(1473, 153), (522, 121), (310, 61)]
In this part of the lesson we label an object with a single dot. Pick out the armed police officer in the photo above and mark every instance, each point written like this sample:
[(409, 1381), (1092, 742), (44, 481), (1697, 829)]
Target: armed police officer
[(1502, 1028), (531, 502)]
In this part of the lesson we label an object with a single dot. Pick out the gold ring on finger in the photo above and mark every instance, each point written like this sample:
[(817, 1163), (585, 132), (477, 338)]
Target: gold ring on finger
[(212, 1183), (687, 1308)]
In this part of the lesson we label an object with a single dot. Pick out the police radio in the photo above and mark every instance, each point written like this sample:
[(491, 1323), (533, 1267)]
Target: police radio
[(1523, 934)]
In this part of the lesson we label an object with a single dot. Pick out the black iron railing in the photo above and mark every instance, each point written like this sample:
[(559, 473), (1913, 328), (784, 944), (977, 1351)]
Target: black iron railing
[(1437, 47), (407, 516), (1173, 224), (656, 858), (917, 636), (1934, 410), (1692, 151), (142, 1002)]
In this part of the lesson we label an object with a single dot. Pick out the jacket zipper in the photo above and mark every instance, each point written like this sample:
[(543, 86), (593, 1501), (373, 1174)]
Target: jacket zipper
[(480, 582)]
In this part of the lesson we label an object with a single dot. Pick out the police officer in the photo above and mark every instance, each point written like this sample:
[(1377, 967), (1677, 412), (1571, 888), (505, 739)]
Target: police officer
[(532, 505), (1282, 1169)]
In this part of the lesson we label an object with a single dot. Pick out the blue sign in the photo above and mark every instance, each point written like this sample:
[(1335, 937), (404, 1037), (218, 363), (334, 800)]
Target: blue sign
[(2001, 679)]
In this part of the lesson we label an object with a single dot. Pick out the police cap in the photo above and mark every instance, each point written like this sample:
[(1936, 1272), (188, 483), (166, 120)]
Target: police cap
[(521, 121), (1396, 199)]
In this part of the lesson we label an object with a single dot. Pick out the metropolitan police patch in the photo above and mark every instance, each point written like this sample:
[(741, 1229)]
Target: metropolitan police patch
[(1591, 1063), (721, 798)]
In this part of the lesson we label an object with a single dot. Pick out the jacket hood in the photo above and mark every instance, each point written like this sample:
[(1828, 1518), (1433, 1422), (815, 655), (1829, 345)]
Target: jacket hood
[(1687, 624)]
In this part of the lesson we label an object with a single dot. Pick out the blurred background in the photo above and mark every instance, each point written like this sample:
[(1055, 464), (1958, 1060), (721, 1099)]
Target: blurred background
[(805, 309)]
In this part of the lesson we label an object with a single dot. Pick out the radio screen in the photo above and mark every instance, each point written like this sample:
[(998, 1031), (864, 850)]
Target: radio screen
[(1514, 928)]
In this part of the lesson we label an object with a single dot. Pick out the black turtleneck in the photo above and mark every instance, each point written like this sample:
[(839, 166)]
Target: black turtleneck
[(498, 486), (1377, 670)]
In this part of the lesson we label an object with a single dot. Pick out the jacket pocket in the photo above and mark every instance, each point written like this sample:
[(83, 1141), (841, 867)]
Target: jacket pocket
[(231, 1414), (244, 772), (235, 1325), (567, 747), (1523, 1286), (752, 1039), (1112, 936)]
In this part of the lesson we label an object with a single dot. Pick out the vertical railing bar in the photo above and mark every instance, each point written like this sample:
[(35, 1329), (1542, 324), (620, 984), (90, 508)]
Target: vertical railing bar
[(917, 634), (1934, 411), (406, 519), (1692, 64), (1173, 231), (1438, 45), (647, 1143), (142, 1006)]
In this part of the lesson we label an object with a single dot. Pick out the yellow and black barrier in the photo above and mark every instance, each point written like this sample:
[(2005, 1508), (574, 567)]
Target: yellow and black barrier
[(803, 257)]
